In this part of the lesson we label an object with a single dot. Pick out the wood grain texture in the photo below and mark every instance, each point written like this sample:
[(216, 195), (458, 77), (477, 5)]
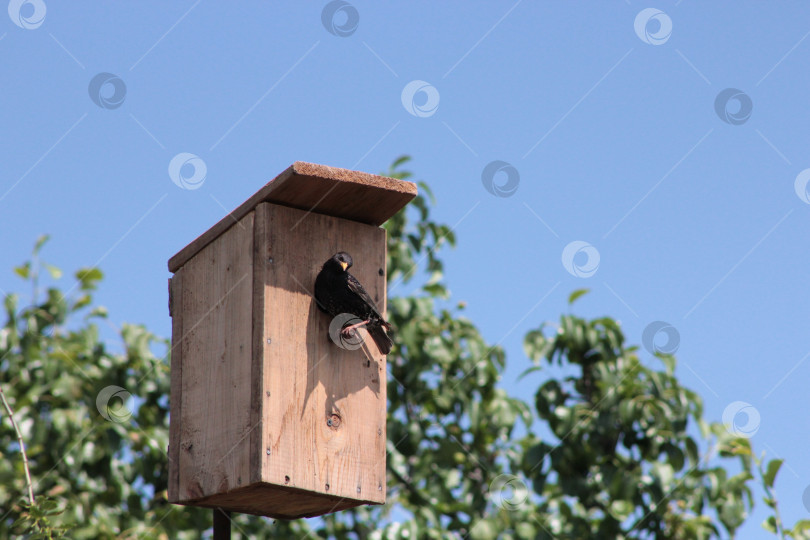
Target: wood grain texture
[(363, 197), (259, 308), (312, 382), (216, 365), (268, 415)]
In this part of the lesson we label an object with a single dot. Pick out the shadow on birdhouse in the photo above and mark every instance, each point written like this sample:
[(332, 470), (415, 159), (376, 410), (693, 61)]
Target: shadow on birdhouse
[(268, 415)]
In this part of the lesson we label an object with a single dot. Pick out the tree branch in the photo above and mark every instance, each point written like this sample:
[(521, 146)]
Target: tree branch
[(22, 447), (409, 486)]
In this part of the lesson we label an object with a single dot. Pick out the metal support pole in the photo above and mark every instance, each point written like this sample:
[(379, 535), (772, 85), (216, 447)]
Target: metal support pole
[(222, 524)]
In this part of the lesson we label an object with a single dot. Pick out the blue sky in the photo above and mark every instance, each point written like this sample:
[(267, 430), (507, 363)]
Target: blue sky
[(613, 122)]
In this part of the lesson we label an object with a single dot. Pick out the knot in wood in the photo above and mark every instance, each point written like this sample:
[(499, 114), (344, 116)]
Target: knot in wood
[(333, 421)]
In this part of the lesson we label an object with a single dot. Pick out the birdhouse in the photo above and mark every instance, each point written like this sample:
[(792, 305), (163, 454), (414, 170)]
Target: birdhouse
[(268, 415)]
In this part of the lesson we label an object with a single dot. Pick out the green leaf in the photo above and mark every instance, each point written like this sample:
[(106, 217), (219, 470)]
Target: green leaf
[(41, 242), (529, 371), (669, 362), (800, 530), (47, 505), (88, 278), (23, 271), (484, 529), (401, 160), (98, 311), (576, 294), (55, 272), (770, 524), (621, 510), (82, 301), (771, 471)]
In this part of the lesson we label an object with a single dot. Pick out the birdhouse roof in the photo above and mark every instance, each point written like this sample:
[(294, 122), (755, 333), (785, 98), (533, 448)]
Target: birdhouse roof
[(358, 196)]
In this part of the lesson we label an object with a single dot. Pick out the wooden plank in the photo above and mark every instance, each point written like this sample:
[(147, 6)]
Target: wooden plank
[(309, 381), (367, 198), (257, 353), (276, 502), (175, 391), (216, 355)]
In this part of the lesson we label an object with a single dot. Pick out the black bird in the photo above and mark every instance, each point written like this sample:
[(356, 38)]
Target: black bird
[(337, 291)]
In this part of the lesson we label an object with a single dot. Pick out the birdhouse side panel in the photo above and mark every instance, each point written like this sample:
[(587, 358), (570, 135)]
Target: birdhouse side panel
[(324, 410), (216, 342), (176, 385)]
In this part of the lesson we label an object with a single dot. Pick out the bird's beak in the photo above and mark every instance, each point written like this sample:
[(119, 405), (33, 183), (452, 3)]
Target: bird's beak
[(344, 265)]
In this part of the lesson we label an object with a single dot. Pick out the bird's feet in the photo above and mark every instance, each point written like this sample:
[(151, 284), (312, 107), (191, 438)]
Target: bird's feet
[(348, 332)]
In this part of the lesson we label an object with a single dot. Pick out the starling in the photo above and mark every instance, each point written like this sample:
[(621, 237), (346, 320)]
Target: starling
[(337, 291)]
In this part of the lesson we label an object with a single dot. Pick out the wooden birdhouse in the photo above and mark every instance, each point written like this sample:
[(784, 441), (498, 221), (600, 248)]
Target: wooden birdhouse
[(268, 415)]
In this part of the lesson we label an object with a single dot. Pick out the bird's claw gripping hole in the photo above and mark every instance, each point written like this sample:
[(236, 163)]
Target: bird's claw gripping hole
[(348, 332)]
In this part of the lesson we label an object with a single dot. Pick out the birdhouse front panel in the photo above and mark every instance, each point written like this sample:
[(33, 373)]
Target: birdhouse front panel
[(324, 394)]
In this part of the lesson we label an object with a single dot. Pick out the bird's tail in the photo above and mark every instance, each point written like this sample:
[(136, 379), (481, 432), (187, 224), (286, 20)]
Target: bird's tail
[(380, 337)]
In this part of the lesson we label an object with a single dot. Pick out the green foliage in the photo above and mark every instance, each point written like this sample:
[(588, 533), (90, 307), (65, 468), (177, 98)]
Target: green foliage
[(773, 523), (610, 450), (620, 462), (411, 244), (35, 520), (102, 464)]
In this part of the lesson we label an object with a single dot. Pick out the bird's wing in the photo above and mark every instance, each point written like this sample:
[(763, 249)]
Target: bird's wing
[(358, 289)]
